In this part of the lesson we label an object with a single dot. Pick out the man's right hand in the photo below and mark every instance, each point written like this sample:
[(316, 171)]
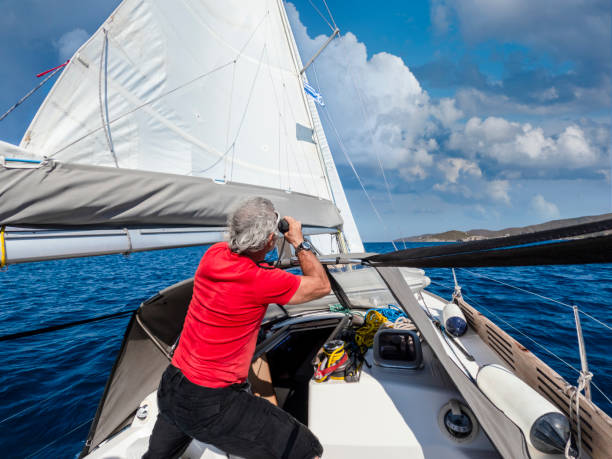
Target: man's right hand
[(314, 283), (294, 236)]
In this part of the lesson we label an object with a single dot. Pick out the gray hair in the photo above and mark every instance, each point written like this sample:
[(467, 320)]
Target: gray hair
[(251, 224)]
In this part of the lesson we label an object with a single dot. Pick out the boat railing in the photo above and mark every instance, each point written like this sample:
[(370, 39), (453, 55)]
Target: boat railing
[(591, 426)]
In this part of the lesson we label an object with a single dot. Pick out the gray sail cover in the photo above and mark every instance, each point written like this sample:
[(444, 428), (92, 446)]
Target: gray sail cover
[(502, 432), (58, 195)]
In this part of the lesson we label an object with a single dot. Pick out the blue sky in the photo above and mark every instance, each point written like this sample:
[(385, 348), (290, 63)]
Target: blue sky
[(483, 114)]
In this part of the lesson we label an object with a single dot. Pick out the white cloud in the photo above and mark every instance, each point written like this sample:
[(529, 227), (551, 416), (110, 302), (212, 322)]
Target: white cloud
[(376, 102), (70, 42), (380, 109), (524, 146), (453, 167), (498, 191), (473, 101), (543, 208)]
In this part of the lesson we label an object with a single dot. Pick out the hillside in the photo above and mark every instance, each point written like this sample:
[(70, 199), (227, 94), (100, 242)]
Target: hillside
[(477, 234)]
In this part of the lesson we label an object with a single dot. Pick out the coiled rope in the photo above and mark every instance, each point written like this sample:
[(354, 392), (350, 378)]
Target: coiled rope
[(375, 318), (574, 398)]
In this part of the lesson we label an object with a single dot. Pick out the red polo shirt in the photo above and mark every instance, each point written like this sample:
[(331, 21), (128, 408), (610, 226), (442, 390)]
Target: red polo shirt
[(230, 297)]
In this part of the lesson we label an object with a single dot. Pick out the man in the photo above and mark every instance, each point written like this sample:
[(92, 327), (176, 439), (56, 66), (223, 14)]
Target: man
[(203, 394)]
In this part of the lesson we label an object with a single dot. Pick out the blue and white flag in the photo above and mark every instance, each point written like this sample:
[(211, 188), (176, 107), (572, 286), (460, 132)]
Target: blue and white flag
[(315, 95)]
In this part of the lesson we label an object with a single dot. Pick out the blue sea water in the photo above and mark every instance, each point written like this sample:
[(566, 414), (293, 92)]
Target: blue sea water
[(51, 383)]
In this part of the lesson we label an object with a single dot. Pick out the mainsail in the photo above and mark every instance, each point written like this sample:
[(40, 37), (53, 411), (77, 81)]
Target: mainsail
[(191, 89)]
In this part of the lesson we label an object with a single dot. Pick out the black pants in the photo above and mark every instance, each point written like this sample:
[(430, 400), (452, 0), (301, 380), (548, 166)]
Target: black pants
[(229, 418)]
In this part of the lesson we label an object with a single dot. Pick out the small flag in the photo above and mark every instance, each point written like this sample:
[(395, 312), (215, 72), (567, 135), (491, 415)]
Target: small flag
[(315, 95)]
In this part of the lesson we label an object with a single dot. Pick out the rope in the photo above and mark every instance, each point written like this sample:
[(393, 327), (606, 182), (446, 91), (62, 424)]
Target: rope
[(149, 102), (322, 16), (330, 363), (330, 14), (32, 91), (2, 247), (380, 164), (391, 312), (32, 406), (340, 308), (246, 108), (364, 336), (52, 328), (58, 439), (348, 160), (574, 396), (403, 323)]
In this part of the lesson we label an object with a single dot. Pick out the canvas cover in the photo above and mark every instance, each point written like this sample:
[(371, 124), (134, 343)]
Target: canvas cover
[(142, 360), (55, 195), (502, 432)]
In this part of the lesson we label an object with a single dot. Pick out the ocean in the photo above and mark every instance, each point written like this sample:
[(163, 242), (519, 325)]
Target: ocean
[(51, 383)]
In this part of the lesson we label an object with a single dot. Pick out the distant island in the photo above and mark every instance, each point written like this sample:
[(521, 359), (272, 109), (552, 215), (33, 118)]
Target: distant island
[(478, 234)]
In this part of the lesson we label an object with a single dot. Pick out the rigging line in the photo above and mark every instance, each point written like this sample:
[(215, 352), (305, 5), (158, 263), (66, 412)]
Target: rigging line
[(595, 319), (322, 16), (29, 407), (471, 300), (305, 156), (246, 108), (58, 439), (536, 294), (265, 16), (280, 118), (331, 16), (348, 159), (32, 91), (380, 164), (322, 139), (287, 103), (144, 104), (53, 328)]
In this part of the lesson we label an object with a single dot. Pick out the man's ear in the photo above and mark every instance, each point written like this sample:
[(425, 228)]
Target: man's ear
[(271, 240)]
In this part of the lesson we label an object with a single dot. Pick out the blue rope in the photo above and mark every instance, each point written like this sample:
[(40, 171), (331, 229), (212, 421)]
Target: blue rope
[(391, 312)]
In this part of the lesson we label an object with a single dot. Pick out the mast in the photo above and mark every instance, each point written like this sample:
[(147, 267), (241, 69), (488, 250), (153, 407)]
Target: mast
[(349, 229)]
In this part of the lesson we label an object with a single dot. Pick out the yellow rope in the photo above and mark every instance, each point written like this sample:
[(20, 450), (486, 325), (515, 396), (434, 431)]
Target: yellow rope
[(332, 359), (364, 337), (2, 248)]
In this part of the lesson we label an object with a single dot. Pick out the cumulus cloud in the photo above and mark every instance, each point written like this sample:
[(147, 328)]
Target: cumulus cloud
[(453, 167), (525, 147), (498, 190), (70, 42), (380, 109), (378, 105), (543, 208)]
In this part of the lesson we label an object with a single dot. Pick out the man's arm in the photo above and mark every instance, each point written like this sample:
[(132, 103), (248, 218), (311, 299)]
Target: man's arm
[(314, 283)]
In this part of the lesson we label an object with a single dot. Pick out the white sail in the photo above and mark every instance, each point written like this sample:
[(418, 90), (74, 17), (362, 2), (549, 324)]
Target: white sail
[(199, 88)]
